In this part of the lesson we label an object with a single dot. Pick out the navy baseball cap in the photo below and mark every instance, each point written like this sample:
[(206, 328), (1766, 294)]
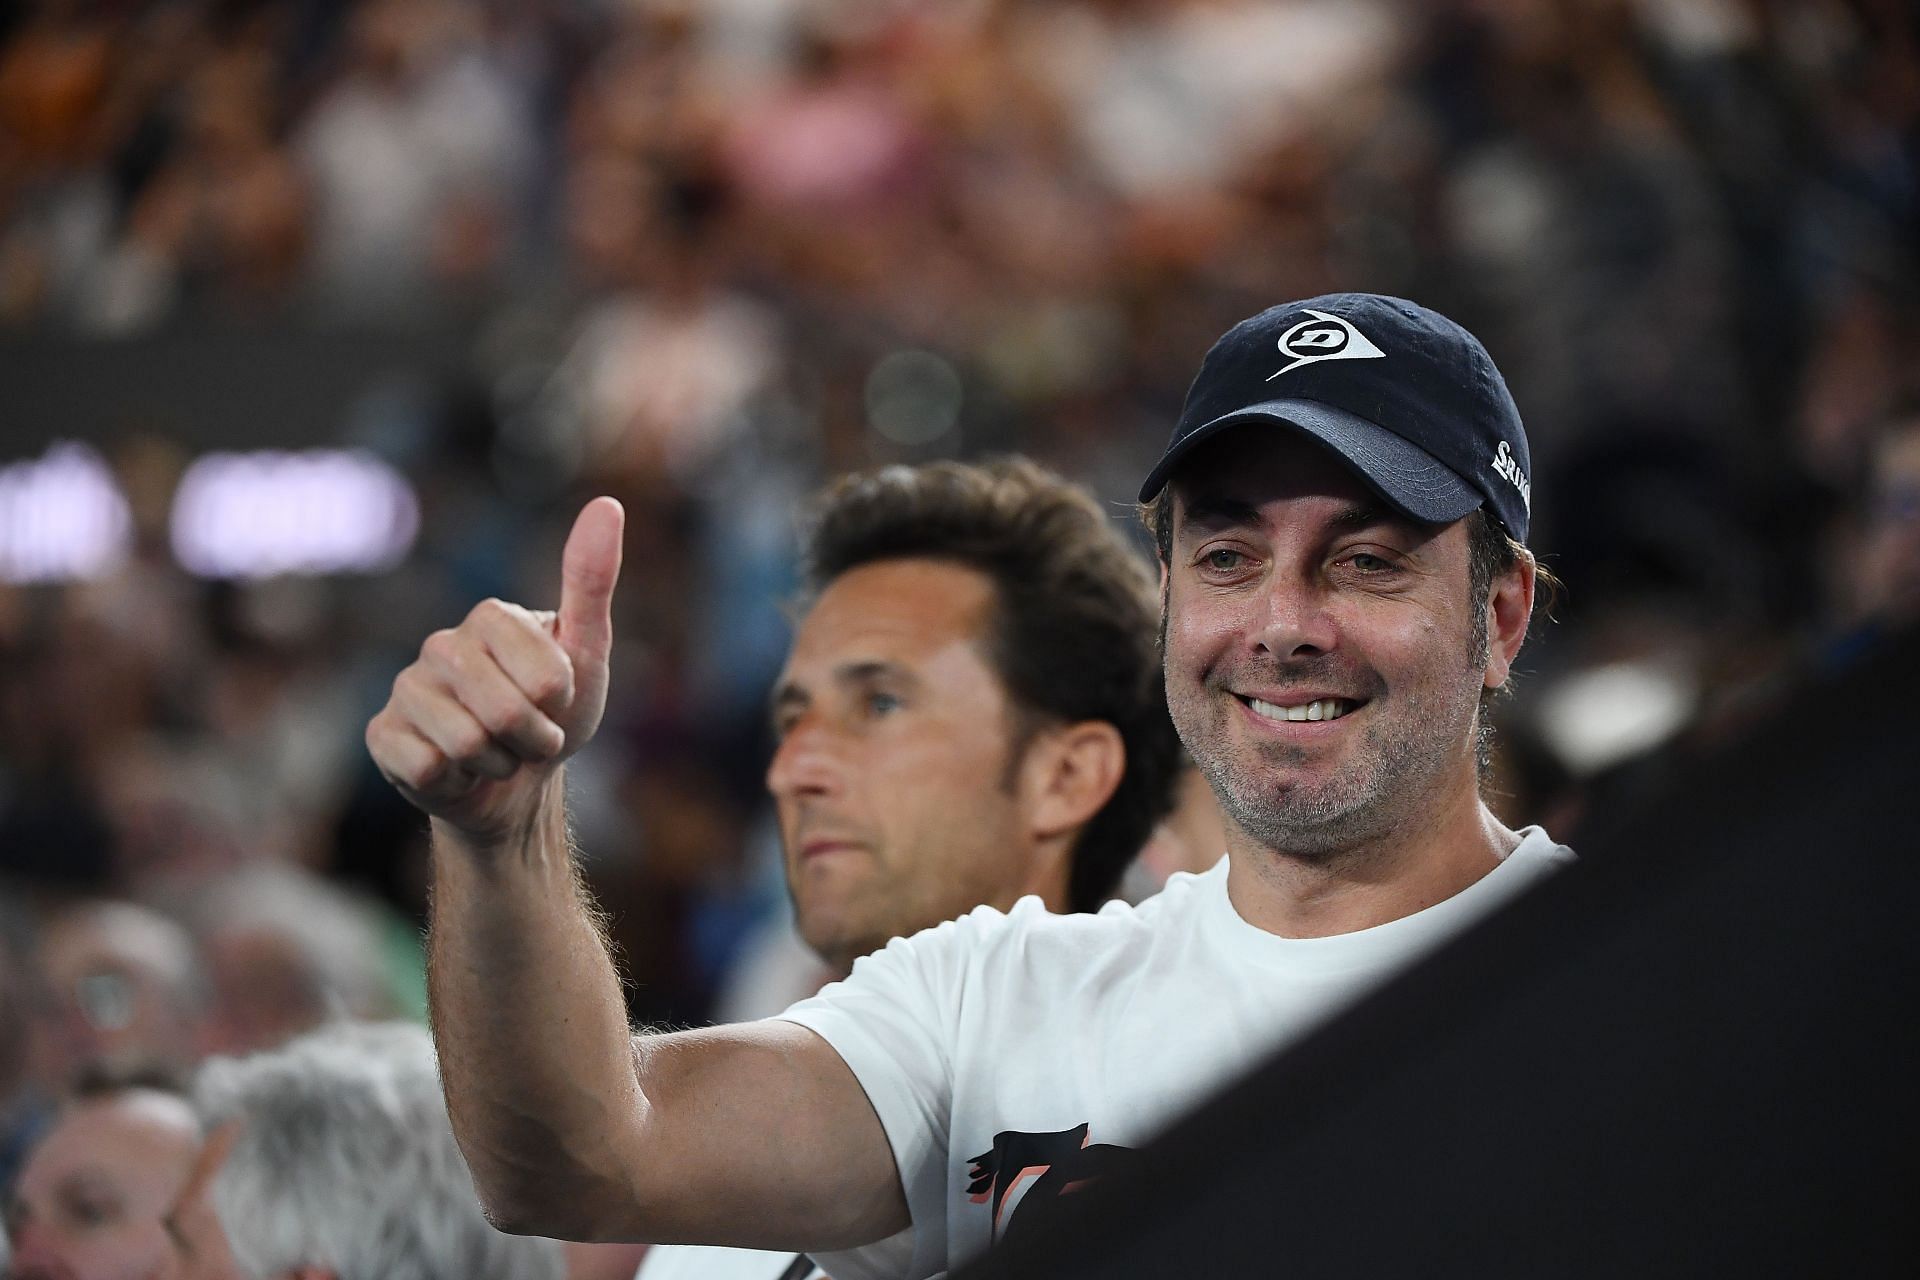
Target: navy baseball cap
[(1407, 397)]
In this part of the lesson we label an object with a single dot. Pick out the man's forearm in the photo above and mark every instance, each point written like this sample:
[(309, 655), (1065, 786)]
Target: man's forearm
[(532, 1029), (756, 1134)]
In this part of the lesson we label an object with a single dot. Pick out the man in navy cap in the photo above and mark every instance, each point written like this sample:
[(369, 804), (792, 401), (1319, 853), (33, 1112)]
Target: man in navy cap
[(1340, 517)]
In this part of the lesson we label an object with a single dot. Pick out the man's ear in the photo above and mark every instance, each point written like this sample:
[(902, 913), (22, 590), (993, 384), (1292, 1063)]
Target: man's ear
[(1069, 773), (1509, 606)]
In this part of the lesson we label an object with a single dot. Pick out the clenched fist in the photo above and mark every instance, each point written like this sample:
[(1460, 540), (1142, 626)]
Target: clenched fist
[(481, 720)]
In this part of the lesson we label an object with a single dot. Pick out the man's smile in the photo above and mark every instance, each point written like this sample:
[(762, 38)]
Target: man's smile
[(1295, 710)]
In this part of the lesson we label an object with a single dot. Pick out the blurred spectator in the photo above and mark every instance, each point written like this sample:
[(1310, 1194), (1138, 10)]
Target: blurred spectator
[(1877, 547), (341, 1163), (122, 991), (22, 1105), (663, 379), (89, 1204), (417, 155), (1169, 99), (287, 951), (1888, 588), (1188, 839)]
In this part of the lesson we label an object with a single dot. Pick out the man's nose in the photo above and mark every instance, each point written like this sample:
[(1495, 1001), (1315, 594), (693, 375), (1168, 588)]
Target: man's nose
[(1294, 620), (807, 761)]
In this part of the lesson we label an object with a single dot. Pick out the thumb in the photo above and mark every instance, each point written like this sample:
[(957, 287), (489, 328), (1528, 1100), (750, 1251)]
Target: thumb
[(589, 567)]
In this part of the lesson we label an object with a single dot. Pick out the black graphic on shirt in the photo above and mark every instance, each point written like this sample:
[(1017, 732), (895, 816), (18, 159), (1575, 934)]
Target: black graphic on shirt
[(1056, 1164)]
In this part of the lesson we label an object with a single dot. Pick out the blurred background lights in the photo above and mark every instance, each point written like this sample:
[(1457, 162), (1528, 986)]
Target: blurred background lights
[(255, 515), (1599, 717), (913, 397), (62, 517)]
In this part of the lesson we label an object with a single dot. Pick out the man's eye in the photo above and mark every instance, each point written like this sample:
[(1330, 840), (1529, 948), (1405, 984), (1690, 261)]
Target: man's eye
[(89, 1211), (880, 704), (1367, 563), (1222, 559)]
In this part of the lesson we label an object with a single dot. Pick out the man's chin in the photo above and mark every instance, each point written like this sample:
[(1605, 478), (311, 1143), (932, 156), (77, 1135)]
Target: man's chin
[(839, 953), (834, 934), (1299, 818)]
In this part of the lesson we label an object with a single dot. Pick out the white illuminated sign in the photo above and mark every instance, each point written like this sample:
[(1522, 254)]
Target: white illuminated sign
[(256, 515), (62, 517)]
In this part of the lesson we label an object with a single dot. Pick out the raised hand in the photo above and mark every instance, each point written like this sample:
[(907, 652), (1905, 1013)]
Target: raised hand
[(481, 721)]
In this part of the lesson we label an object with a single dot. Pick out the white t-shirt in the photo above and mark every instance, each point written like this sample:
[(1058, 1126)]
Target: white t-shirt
[(712, 1262), (1014, 1056)]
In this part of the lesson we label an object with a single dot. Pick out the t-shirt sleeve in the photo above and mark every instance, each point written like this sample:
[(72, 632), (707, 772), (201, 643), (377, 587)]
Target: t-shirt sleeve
[(892, 1021)]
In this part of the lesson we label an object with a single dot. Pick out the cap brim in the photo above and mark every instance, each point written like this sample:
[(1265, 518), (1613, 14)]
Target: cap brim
[(1401, 472)]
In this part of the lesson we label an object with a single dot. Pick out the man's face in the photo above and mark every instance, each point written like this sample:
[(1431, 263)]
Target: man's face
[(1293, 591), (112, 992), (892, 774), (89, 1203)]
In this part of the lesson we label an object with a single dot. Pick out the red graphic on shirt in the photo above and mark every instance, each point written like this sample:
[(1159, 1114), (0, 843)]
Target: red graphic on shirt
[(1048, 1165)]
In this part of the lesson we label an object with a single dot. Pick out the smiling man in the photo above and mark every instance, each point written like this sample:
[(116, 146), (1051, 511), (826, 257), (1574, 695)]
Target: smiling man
[(1340, 517)]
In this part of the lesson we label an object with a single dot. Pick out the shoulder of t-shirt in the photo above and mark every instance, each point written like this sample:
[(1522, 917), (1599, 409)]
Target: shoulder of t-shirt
[(1536, 843), (1027, 930)]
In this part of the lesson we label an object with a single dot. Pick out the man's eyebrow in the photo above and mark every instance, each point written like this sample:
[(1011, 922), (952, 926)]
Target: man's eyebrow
[(786, 696), (867, 670), (789, 695), (1219, 510), (1222, 510), (1365, 515)]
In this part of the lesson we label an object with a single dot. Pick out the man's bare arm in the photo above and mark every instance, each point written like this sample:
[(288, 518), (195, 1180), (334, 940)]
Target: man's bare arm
[(753, 1135)]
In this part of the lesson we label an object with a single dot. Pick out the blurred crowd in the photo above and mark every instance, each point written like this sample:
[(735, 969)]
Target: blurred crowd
[(703, 254)]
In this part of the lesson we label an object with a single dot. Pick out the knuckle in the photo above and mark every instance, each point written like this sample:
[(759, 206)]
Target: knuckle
[(425, 773), (456, 656), (376, 735), (405, 686), (495, 765), (502, 719), (552, 684), (493, 611), (441, 646), (468, 742)]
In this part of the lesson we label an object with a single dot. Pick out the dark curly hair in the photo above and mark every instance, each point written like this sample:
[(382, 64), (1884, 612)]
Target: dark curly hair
[(1073, 635)]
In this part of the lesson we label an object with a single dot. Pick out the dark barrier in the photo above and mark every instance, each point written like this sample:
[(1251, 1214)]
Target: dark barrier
[(1695, 1055)]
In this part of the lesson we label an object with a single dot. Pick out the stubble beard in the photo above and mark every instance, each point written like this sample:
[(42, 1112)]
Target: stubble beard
[(1384, 784)]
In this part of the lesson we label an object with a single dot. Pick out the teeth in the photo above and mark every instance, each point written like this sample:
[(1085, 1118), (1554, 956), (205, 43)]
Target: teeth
[(1321, 709)]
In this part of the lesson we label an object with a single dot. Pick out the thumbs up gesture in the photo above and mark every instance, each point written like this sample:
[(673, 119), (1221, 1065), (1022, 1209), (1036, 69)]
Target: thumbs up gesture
[(491, 708)]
